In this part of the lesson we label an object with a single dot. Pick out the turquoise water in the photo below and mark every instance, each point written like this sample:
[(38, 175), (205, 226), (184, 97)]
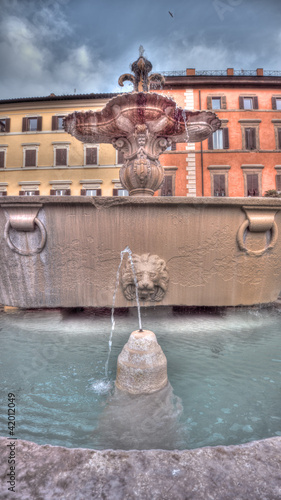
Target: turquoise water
[(224, 372)]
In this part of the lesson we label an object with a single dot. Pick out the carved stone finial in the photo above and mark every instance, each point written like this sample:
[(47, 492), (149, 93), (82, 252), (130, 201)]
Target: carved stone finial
[(141, 68)]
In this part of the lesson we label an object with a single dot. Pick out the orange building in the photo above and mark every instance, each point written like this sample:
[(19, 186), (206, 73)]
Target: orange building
[(243, 158)]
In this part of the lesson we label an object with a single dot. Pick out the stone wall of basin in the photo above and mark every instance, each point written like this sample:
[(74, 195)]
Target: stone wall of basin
[(65, 252)]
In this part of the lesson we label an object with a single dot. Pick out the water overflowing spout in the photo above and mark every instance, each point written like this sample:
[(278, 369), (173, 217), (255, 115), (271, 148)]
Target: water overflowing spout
[(129, 252)]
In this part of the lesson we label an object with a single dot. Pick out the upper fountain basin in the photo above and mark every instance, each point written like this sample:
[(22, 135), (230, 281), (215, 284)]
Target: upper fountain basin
[(159, 113)]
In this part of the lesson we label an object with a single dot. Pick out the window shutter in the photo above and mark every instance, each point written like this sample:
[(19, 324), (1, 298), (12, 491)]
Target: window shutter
[(209, 102), (120, 157), (2, 159), (83, 192), (253, 138), (250, 138), (98, 192), (241, 102), (68, 192), (167, 186), (24, 124), (255, 102), (54, 123), (223, 102), (39, 123), (8, 122), (61, 156), (279, 138), (273, 100), (91, 156), (21, 193), (225, 138), (252, 185), (173, 146), (278, 182), (37, 192), (52, 192), (3, 193), (115, 192), (219, 185), (30, 158), (210, 142)]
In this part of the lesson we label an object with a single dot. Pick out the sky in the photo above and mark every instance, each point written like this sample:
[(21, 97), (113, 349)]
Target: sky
[(83, 46)]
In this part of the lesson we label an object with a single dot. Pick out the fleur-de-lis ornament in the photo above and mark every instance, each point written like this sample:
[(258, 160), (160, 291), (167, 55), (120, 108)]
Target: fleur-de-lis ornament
[(141, 67)]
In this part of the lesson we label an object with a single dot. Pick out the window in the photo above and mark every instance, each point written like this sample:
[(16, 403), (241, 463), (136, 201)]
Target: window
[(216, 102), (2, 159), (4, 125), (278, 137), (278, 182), (3, 188), (219, 179), (60, 187), (60, 192), (219, 139), (57, 122), (91, 156), (252, 180), (90, 192), (252, 185), (167, 186), (29, 188), (29, 193), (32, 124), (276, 102), (250, 138), (61, 157), (173, 147), (250, 134), (91, 187), (248, 102), (30, 158), (120, 192), (120, 157), (3, 153), (219, 185)]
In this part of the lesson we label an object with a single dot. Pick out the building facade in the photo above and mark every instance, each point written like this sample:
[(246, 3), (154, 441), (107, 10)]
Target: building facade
[(243, 158)]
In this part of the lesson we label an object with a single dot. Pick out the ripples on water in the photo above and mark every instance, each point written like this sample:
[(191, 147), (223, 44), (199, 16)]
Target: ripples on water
[(224, 372)]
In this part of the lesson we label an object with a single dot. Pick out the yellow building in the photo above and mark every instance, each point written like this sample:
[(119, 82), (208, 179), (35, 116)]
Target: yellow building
[(38, 157)]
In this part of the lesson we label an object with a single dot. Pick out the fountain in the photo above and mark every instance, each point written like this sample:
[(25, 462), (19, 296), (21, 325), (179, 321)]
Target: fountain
[(64, 253)]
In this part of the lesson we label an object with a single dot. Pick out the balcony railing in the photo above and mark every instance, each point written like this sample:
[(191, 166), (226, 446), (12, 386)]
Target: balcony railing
[(222, 72)]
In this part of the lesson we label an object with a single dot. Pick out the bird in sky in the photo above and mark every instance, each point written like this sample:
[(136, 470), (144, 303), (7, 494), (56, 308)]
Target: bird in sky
[(171, 14)]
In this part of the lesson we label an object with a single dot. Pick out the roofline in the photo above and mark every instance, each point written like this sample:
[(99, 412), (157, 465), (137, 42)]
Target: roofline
[(67, 97), (221, 81)]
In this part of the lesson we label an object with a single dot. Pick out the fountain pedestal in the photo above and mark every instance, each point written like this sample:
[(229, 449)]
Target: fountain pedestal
[(141, 365)]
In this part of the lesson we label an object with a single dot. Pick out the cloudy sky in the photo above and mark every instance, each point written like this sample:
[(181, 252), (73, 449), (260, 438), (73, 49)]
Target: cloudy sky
[(61, 45)]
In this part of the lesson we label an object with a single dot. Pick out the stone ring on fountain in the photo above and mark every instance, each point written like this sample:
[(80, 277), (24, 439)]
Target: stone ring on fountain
[(241, 236), (26, 253)]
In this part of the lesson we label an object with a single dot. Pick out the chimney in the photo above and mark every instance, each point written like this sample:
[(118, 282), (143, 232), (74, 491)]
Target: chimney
[(230, 71), (260, 72), (190, 71)]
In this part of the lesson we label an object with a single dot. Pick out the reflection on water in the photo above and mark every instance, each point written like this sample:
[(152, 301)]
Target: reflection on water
[(224, 372), (140, 421)]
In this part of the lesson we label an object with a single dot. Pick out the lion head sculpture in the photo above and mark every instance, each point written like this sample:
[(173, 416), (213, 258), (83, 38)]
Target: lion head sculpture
[(152, 277)]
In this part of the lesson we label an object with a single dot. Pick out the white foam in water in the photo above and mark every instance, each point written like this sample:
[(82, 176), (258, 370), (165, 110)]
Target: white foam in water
[(101, 386)]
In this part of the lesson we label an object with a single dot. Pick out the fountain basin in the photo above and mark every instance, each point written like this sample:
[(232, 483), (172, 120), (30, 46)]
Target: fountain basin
[(202, 251)]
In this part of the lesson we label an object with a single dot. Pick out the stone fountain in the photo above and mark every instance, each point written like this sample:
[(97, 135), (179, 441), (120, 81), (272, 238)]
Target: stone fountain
[(187, 252)]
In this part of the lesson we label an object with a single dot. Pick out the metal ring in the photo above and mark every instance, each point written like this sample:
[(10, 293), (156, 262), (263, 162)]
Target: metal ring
[(242, 246), (26, 253)]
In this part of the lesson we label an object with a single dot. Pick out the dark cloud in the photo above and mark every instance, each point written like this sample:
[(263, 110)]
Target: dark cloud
[(58, 45)]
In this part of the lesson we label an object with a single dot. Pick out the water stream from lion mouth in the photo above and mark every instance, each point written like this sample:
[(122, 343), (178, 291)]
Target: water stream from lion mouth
[(128, 251), (224, 370)]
